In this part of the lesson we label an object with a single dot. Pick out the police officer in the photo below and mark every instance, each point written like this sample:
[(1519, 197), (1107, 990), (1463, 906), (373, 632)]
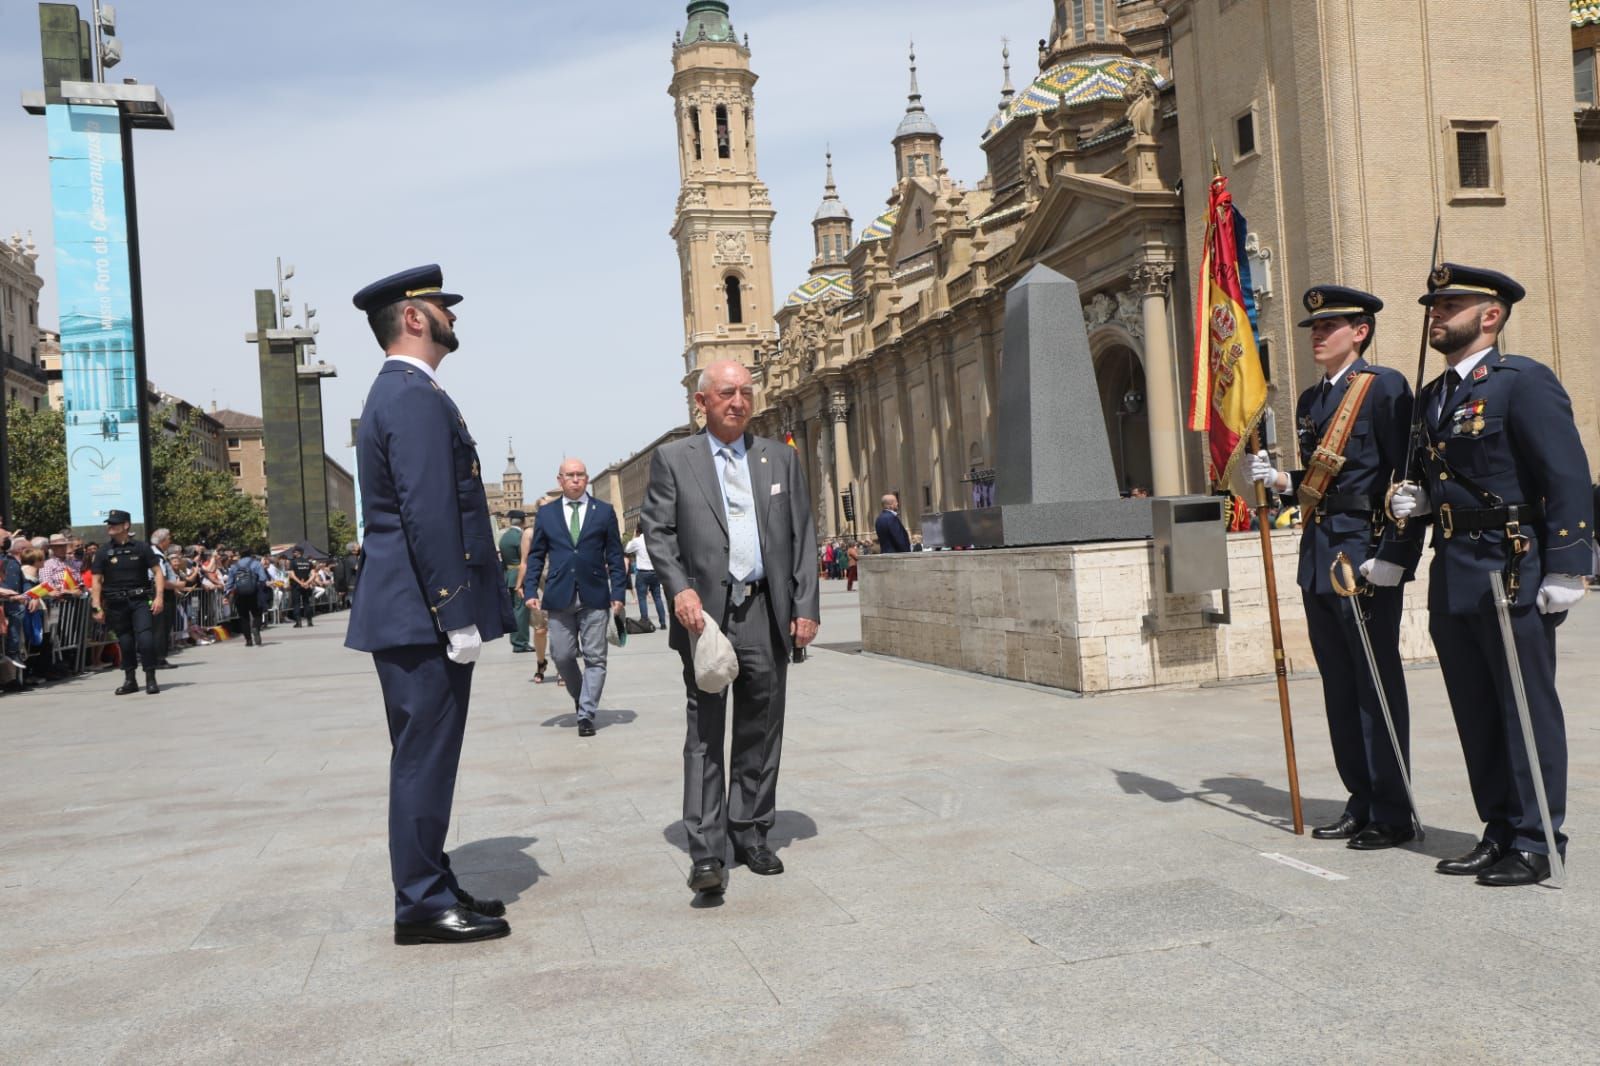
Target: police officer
[(431, 592), (1361, 413), (300, 584), (511, 563), (129, 589), (1504, 477)]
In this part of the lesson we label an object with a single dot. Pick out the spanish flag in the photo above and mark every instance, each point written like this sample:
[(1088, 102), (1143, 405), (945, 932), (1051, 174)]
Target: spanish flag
[(788, 438), (1230, 390), (69, 582)]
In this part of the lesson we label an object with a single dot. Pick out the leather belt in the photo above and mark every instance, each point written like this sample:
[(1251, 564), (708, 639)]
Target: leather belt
[(740, 591), (1453, 520), (1347, 503)]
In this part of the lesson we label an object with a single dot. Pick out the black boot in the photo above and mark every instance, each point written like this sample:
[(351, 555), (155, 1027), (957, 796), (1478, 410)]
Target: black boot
[(129, 684), (150, 685)]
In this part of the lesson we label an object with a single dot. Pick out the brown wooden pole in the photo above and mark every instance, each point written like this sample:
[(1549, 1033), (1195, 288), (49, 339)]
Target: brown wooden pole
[(1269, 577)]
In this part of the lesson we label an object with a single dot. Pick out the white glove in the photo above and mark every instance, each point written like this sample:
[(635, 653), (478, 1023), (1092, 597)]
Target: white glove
[(1261, 469), (465, 644), (1408, 501), (1558, 592), (1382, 572)]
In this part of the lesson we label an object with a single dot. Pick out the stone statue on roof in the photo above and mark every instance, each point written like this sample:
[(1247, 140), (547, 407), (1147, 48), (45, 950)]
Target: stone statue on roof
[(1142, 101)]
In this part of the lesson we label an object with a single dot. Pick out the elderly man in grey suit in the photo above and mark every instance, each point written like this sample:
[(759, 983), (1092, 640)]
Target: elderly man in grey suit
[(728, 525)]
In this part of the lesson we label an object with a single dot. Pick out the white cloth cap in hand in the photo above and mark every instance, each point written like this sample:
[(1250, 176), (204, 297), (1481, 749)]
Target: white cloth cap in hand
[(715, 664)]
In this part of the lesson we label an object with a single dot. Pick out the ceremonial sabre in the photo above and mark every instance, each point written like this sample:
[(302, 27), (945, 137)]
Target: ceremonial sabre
[(1404, 472), (1343, 576), (1502, 608)]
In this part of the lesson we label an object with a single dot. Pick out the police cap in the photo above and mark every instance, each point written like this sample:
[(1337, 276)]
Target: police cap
[(1337, 301), (416, 283), (118, 518), (1453, 279)]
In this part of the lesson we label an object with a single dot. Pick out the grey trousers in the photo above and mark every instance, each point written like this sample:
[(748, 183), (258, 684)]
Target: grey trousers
[(742, 804), (581, 631)]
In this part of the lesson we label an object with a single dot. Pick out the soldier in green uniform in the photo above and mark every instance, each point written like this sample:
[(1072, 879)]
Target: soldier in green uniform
[(511, 560)]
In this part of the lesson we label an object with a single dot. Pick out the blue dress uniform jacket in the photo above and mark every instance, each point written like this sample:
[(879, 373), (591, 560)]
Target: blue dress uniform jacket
[(1509, 430), (1373, 456), (1350, 520), (429, 563), (589, 573)]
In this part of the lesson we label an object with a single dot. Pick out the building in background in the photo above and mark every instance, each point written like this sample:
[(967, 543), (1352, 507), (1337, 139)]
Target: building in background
[(506, 494), (26, 380), (246, 451), (170, 415), (341, 496)]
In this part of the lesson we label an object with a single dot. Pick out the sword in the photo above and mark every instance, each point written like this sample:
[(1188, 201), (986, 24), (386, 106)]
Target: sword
[(1404, 473), (1343, 577), (1502, 609)]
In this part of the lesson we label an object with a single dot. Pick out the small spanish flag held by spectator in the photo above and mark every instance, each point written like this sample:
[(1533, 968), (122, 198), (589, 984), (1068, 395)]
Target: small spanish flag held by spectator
[(788, 438), (40, 592), (69, 582)]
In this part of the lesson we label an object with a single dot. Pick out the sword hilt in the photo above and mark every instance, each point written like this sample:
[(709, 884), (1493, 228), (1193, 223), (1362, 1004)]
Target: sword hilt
[(1342, 575)]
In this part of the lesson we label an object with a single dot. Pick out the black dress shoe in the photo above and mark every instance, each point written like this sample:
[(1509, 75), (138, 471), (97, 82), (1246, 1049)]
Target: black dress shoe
[(586, 727), (759, 859), (1517, 868), (150, 685), (130, 685), (489, 908), (1479, 859), (1378, 836), (709, 876), (453, 926), (163, 665), (1346, 827)]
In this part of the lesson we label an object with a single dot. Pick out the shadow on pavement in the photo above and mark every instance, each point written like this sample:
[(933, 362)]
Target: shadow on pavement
[(499, 862), (602, 719), (1263, 803), (787, 827)]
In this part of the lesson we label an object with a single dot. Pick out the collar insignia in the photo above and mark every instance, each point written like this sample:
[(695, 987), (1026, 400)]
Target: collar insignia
[(1479, 373)]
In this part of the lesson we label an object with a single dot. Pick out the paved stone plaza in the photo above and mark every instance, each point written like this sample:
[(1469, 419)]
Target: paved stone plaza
[(977, 872)]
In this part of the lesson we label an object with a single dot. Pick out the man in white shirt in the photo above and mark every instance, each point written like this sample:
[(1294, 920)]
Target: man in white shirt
[(646, 584)]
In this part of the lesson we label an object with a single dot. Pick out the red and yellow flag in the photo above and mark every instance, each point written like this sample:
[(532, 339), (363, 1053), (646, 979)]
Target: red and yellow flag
[(788, 438), (69, 582), (1230, 390)]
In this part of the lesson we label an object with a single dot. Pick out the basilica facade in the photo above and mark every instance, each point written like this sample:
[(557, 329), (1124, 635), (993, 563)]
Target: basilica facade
[(1342, 139)]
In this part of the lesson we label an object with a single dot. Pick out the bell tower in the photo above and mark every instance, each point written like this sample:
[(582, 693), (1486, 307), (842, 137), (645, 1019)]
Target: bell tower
[(723, 225)]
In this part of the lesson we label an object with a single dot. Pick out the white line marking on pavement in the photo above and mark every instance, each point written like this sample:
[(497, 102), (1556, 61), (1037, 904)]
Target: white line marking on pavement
[(1304, 867)]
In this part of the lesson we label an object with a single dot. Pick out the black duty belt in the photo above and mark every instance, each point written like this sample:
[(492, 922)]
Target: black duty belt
[(1453, 520), (123, 595), (1347, 503)]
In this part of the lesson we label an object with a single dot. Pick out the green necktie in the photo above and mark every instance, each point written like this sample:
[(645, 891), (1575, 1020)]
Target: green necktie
[(577, 518)]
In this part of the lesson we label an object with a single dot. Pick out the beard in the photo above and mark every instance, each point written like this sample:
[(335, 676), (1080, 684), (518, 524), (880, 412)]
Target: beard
[(1454, 338), (443, 334)]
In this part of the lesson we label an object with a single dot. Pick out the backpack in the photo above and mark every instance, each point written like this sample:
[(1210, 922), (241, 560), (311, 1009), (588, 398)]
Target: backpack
[(245, 584)]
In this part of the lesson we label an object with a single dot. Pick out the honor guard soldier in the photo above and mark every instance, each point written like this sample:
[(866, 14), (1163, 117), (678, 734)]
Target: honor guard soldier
[(1502, 473), (1352, 430), (431, 593), (127, 590)]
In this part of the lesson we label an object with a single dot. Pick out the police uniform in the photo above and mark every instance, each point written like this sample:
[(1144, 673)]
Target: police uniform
[(511, 560), (123, 574), (1349, 518), (429, 568), (1507, 480), (302, 568)]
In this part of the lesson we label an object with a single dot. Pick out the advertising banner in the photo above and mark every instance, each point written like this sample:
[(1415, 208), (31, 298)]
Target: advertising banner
[(99, 378)]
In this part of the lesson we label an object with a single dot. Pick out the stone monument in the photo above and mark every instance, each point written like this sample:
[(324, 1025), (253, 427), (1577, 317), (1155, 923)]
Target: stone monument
[(1055, 483)]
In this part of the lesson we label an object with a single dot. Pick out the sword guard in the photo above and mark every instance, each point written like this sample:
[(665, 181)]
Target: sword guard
[(1342, 575)]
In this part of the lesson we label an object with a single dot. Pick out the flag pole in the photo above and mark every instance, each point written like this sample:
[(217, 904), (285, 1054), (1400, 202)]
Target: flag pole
[(1270, 580)]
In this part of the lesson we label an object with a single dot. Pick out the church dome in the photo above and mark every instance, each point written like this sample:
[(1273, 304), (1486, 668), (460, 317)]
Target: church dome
[(916, 122), (821, 287), (1073, 84), (882, 227), (711, 18), (832, 209)]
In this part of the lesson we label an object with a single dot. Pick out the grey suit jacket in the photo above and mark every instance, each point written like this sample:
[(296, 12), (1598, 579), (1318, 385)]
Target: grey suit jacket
[(686, 529)]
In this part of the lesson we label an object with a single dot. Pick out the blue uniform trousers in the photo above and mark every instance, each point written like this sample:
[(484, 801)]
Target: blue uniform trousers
[(426, 697), (1473, 659), (1362, 751)]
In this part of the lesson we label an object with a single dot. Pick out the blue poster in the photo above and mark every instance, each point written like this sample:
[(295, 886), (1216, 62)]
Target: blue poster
[(99, 377)]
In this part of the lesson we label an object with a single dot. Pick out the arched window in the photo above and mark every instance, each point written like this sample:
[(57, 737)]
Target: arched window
[(735, 297), (723, 149)]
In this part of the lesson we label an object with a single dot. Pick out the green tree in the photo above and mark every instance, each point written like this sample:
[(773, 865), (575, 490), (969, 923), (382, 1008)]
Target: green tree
[(198, 505), (38, 443), (341, 531)]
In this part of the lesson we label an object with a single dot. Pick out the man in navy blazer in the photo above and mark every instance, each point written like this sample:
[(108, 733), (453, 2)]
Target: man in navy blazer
[(431, 593), (891, 531), (586, 585)]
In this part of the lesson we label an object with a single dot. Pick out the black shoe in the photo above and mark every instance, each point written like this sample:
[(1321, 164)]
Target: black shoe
[(1517, 868), (1378, 836), (709, 876), (311, 625), (131, 684), (1479, 859), (163, 665), (1346, 827), (520, 651), (489, 908), (297, 625), (586, 727), (759, 859), (454, 926), (150, 685)]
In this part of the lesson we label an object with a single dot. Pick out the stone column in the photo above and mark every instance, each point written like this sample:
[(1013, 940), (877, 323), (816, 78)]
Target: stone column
[(829, 512), (839, 412), (1160, 380)]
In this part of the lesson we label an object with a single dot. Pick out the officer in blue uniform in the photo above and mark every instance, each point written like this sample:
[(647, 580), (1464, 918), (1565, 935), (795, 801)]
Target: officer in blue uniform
[(431, 592), (1505, 481), (1348, 517)]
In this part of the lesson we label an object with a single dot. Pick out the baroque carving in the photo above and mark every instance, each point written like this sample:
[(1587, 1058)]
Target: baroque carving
[(731, 248), (838, 405)]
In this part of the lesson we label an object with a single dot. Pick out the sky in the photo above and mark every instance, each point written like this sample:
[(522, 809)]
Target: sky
[(527, 147)]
